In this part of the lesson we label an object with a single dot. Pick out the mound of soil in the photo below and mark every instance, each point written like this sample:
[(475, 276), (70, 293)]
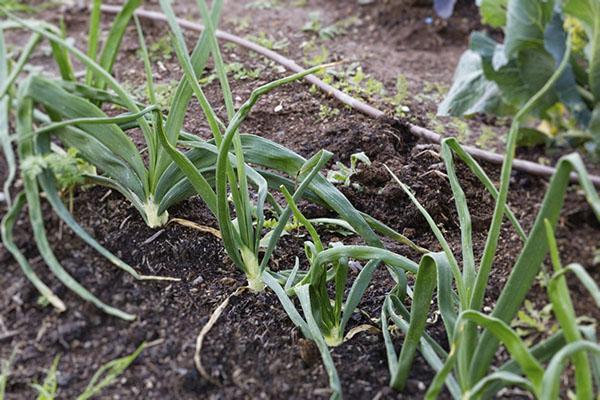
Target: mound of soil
[(253, 351)]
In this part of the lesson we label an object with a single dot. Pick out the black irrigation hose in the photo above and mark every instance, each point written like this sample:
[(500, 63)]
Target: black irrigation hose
[(528, 167)]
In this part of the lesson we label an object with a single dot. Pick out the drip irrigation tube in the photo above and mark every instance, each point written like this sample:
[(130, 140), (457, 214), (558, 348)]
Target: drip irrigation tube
[(528, 167)]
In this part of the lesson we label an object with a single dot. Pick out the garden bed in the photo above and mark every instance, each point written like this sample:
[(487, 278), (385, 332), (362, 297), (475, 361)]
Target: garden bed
[(254, 350)]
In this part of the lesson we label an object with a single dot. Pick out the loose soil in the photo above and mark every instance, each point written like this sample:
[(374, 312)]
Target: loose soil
[(254, 351)]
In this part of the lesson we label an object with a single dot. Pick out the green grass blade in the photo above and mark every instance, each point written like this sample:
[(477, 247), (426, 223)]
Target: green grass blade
[(551, 383), (421, 302), (94, 95), (442, 375), (109, 372), (8, 80), (61, 56), (479, 172), (499, 379), (209, 26), (6, 228), (390, 233), (147, 65), (293, 209), (529, 261), (189, 71), (431, 351), (9, 154), (562, 307), (589, 333), (48, 389), (356, 291), (113, 41), (392, 357), (93, 38), (365, 253), (316, 163), (200, 184), (438, 235), (518, 350), (184, 92), (286, 303), (542, 351), (117, 120), (114, 184), (447, 304), (464, 218), (584, 277), (316, 335), (5, 366), (24, 116)]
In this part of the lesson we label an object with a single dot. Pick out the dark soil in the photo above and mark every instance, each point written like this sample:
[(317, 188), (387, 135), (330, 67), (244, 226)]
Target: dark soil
[(254, 351)]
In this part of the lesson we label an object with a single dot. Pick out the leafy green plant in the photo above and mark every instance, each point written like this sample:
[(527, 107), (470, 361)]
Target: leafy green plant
[(526, 370), (108, 373), (325, 32), (232, 170), (49, 388), (68, 169), (269, 41), (530, 322), (324, 319), (5, 366), (69, 112), (344, 173), (105, 376), (472, 353), (499, 78), (78, 123), (161, 49)]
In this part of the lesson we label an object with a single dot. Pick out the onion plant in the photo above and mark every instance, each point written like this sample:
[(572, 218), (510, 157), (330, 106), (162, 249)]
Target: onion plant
[(324, 319), (72, 112), (235, 162), (473, 350), (525, 370)]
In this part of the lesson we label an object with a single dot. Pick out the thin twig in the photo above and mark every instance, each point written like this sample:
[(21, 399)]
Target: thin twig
[(204, 331)]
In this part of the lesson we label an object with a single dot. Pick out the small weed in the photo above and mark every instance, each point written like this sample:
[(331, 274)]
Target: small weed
[(343, 173), (48, 389), (314, 55), (263, 4), (162, 49), (326, 112), (164, 93), (486, 137), (242, 23), (462, 129), (240, 72), (316, 26), (269, 41), (530, 322), (68, 168), (401, 90)]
